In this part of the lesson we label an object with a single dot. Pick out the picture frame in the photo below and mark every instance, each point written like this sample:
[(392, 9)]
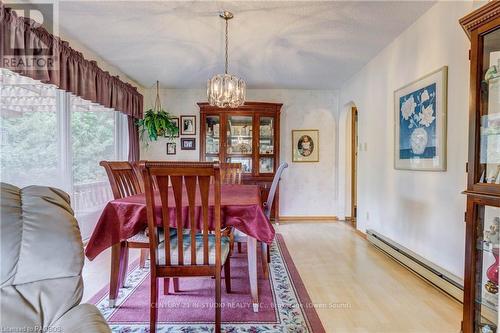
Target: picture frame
[(188, 144), (175, 120), (188, 125), (171, 148), (305, 145), (420, 110)]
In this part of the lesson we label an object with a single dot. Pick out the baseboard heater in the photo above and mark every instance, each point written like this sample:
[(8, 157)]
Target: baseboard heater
[(439, 277)]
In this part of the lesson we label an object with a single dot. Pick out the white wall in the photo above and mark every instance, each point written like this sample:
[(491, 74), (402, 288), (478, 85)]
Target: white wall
[(423, 211), (306, 188)]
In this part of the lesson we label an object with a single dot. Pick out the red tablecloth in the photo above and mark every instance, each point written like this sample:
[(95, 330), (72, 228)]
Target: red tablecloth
[(123, 218)]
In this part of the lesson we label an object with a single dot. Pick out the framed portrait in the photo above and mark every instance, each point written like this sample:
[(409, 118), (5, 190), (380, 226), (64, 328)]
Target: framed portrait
[(175, 120), (171, 148), (305, 145), (188, 125), (188, 143), (420, 119)]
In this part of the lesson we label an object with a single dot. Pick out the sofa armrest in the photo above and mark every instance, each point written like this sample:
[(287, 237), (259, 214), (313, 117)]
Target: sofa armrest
[(83, 318)]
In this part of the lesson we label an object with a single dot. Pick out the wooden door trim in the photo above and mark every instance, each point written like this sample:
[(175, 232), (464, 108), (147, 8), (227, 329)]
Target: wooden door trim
[(354, 171)]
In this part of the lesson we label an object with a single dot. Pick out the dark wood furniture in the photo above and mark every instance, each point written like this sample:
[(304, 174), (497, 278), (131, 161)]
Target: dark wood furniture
[(177, 257), (124, 182), (249, 135), (483, 185)]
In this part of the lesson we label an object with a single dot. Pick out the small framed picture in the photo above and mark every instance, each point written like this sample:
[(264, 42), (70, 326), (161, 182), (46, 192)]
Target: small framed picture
[(175, 120), (305, 145), (171, 148), (188, 125), (188, 143)]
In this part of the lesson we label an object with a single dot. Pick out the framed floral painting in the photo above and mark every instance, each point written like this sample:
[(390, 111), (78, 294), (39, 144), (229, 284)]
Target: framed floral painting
[(420, 116)]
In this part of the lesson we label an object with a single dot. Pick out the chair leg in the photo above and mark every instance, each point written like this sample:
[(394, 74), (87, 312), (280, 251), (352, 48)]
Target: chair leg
[(217, 301), (114, 278), (239, 247), (265, 266), (176, 284), (231, 243), (166, 286), (124, 265), (153, 309), (144, 257), (227, 274)]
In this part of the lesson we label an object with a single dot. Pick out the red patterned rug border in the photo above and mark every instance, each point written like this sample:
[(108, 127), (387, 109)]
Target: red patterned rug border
[(310, 311)]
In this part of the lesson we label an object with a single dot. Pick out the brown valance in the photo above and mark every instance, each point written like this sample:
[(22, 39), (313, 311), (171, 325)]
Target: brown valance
[(30, 50)]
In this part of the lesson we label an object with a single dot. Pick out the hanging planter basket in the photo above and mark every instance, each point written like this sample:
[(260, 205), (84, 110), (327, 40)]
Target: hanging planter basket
[(157, 122)]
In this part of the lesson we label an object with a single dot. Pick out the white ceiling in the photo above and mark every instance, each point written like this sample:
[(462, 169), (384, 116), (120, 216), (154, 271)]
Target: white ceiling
[(273, 44)]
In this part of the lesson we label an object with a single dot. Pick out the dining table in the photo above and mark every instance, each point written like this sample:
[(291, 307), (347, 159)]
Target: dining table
[(241, 208)]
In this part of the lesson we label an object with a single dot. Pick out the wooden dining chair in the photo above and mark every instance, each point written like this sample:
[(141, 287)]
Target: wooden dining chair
[(240, 237), (194, 251), (125, 181), (230, 173)]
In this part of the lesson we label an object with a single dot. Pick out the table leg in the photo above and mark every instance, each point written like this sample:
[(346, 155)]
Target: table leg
[(252, 271)]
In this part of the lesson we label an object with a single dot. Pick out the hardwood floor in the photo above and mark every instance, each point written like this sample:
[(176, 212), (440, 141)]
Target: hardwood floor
[(363, 289), (371, 292)]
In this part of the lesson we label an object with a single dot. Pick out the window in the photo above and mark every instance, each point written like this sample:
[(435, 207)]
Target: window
[(50, 137), (29, 119)]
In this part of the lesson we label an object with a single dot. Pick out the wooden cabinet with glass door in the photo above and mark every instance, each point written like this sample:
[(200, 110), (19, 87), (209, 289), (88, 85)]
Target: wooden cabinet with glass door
[(248, 135), (481, 296)]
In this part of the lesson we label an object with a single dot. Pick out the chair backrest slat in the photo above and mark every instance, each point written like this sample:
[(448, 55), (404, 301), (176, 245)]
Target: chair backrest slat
[(230, 173), (190, 182), (177, 190), (184, 178), (162, 186), (204, 183), (122, 178)]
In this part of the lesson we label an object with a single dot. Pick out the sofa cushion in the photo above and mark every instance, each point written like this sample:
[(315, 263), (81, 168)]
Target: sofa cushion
[(37, 224), (42, 256)]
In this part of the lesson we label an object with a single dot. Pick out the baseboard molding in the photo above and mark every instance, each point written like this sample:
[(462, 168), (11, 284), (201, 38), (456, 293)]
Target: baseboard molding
[(294, 218), (435, 275), (361, 234)]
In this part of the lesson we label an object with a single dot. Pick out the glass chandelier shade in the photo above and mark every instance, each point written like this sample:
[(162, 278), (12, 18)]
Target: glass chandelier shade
[(225, 90)]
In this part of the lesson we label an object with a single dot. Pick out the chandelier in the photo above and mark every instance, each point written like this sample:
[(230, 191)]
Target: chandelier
[(225, 90)]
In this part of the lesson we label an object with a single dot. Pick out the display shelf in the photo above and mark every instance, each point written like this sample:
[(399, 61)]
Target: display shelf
[(250, 135), (480, 310)]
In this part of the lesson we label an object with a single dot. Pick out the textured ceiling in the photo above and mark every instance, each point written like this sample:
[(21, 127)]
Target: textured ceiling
[(273, 44)]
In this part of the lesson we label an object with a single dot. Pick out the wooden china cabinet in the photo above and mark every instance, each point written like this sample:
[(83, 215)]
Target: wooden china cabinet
[(483, 187), (250, 135)]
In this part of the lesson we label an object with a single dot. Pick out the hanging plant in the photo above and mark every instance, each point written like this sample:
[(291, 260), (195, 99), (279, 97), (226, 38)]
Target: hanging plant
[(157, 122)]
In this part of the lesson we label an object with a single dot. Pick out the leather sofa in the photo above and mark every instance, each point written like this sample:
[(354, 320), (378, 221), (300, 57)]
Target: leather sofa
[(41, 264)]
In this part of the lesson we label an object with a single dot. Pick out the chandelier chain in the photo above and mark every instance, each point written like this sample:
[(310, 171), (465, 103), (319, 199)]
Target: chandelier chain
[(224, 90), (227, 42)]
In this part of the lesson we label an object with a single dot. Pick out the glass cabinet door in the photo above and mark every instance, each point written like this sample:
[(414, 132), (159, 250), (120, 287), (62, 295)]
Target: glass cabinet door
[(266, 144), (489, 159), (212, 138), (239, 141), (486, 314)]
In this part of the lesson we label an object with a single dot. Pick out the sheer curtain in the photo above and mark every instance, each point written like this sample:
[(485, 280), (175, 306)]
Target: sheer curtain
[(51, 137)]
